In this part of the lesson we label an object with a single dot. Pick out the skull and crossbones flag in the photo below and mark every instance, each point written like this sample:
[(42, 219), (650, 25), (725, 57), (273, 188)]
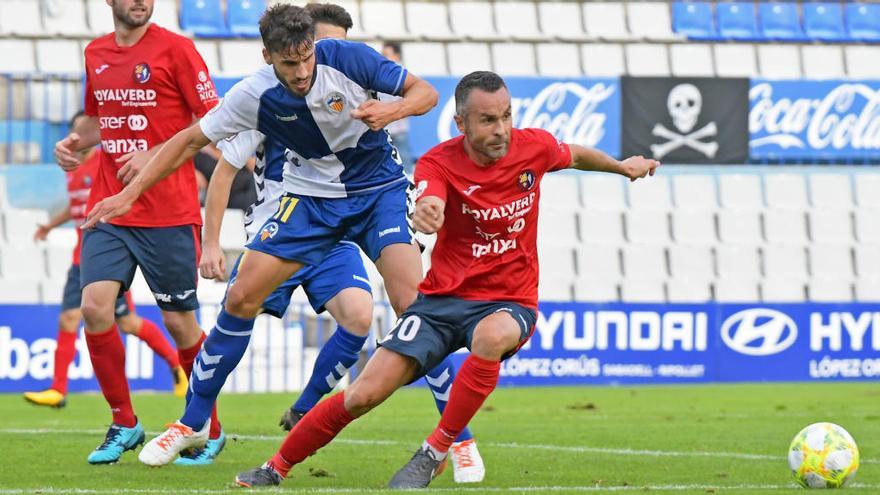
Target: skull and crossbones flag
[(686, 120)]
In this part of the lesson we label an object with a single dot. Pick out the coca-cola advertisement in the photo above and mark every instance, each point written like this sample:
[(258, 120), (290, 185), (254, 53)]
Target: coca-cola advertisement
[(814, 120), (580, 111), (686, 120)]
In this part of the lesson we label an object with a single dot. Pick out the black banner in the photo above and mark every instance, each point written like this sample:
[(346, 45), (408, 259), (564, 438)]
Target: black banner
[(686, 120)]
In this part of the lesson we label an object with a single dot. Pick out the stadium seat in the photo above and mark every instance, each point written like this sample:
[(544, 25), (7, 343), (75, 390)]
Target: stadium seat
[(785, 262), (780, 21), (560, 190), (65, 17), (647, 227), (694, 227), (558, 59), (21, 18), (100, 17), (603, 59), (57, 56), (465, 58), (606, 20), (518, 20), (693, 19), (831, 261), (203, 18), (385, 19), (688, 290), (52, 291), (650, 20), (62, 237), (863, 21), (58, 260), (694, 191), (562, 20), (867, 259), (513, 59), (4, 194), (647, 60), (558, 227), (240, 58), (20, 291), (868, 290), (785, 227), (165, 14), (867, 225), (823, 62), (425, 59), (643, 262), (691, 60), (556, 262), (642, 291), (601, 227), (650, 194), (868, 190), (429, 20), (740, 191), (23, 62), (831, 226), (736, 291), (824, 21), (830, 290), (737, 20), (737, 60), (208, 50), (243, 17), (357, 31), (691, 262), (140, 291), (21, 224), (779, 61), (598, 263), (596, 291), (830, 190), (22, 262), (554, 290), (740, 227), (210, 291), (53, 100), (860, 61), (232, 234), (783, 291), (738, 262), (473, 20), (785, 191)]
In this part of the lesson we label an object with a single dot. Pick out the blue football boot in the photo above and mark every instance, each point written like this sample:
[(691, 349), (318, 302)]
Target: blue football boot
[(119, 439), (203, 456)]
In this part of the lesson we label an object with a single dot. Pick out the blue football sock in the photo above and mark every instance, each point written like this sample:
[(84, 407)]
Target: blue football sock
[(220, 354), (440, 381), (339, 353)]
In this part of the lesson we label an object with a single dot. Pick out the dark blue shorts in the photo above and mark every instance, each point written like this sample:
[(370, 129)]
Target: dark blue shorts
[(341, 269), (306, 229), (167, 256), (434, 327), (73, 295)]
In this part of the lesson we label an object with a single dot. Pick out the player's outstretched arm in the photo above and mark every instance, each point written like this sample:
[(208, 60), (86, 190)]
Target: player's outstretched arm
[(418, 97), (213, 262), (59, 218), (429, 217), (591, 159)]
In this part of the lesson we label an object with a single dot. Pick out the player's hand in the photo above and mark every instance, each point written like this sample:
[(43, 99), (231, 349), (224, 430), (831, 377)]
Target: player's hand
[(108, 208), (429, 216), (637, 167), (213, 263), (66, 152), (42, 233), (376, 114), (132, 163)]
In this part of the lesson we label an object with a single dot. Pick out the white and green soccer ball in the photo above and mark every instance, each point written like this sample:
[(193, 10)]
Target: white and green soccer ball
[(823, 455)]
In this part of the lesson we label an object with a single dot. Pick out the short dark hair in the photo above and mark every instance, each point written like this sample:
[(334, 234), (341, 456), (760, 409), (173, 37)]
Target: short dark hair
[(284, 27), (483, 80), (330, 13), (395, 46), (77, 115)]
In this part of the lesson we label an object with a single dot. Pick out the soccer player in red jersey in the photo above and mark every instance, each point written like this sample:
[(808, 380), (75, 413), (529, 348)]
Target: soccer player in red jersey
[(479, 192), (79, 183), (143, 85)]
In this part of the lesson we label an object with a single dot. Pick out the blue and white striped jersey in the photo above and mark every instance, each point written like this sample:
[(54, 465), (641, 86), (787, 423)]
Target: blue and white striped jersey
[(326, 153)]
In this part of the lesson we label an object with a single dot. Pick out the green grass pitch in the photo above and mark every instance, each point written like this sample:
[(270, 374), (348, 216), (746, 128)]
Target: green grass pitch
[(714, 439)]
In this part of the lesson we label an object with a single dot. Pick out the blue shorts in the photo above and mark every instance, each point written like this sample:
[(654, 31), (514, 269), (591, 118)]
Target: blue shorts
[(168, 258), (72, 298), (341, 269), (305, 228), (434, 327)]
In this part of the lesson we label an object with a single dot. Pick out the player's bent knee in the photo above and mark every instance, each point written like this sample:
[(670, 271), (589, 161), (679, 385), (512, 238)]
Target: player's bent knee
[(98, 315), (358, 319), (359, 400), (129, 324), (69, 320), (241, 304), (494, 341)]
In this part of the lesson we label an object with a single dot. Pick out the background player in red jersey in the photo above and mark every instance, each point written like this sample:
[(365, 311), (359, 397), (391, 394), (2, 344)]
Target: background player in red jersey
[(143, 84), (79, 183), (480, 193)]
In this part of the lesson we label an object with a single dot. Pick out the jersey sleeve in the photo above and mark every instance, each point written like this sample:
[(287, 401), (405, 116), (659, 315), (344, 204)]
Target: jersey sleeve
[(363, 65), (558, 154), (429, 178), (235, 113), (238, 149), (193, 80)]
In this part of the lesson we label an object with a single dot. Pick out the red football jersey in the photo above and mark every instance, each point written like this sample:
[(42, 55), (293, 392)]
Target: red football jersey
[(487, 249), (142, 96), (79, 183)]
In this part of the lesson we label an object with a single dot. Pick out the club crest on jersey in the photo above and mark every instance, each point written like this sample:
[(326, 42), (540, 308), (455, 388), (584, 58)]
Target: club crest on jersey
[(335, 102), (269, 231), (142, 72), (526, 180)]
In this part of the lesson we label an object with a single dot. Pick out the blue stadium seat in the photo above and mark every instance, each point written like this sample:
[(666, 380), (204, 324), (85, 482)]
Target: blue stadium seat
[(244, 17), (203, 18), (780, 21), (736, 20), (863, 21), (824, 21), (694, 20)]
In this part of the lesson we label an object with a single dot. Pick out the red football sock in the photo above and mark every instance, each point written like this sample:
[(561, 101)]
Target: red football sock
[(187, 357), (64, 354), (476, 379), (108, 360), (312, 432), (154, 338)]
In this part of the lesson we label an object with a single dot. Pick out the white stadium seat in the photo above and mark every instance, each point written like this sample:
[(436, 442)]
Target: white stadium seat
[(694, 191), (606, 20), (353, 8), (473, 20), (556, 262), (735, 60), (429, 20), (603, 192), (831, 226), (740, 191), (232, 234), (425, 59), (64, 237), (861, 61), (691, 60), (738, 262), (211, 291), (52, 291), (603, 59), (58, 261), (23, 62), (562, 20), (21, 18), (688, 290), (868, 189), (830, 290), (596, 291), (598, 263), (868, 290), (100, 17), (557, 227), (601, 227), (59, 56), (642, 262), (785, 191), (518, 20), (651, 20), (783, 291), (560, 190), (785, 262), (647, 60), (779, 61), (385, 19), (785, 227), (19, 291), (739, 227), (733, 290), (22, 223), (650, 227), (166, 15), (830, 190), (240, 57), (558, 59), (22, 263), (642, 291), (140, 290), (867, 261), (829, 261), (650, 194), (691, 262), (65, 17), (465, 58), (823, 61), (554, 290), (513, 59), (694, 226), (868, 225), (208, 50)]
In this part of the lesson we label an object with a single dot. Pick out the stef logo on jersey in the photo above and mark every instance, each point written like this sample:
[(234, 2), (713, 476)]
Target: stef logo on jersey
[(526, 180), (269, 231), (142, 72), (335, 102)]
